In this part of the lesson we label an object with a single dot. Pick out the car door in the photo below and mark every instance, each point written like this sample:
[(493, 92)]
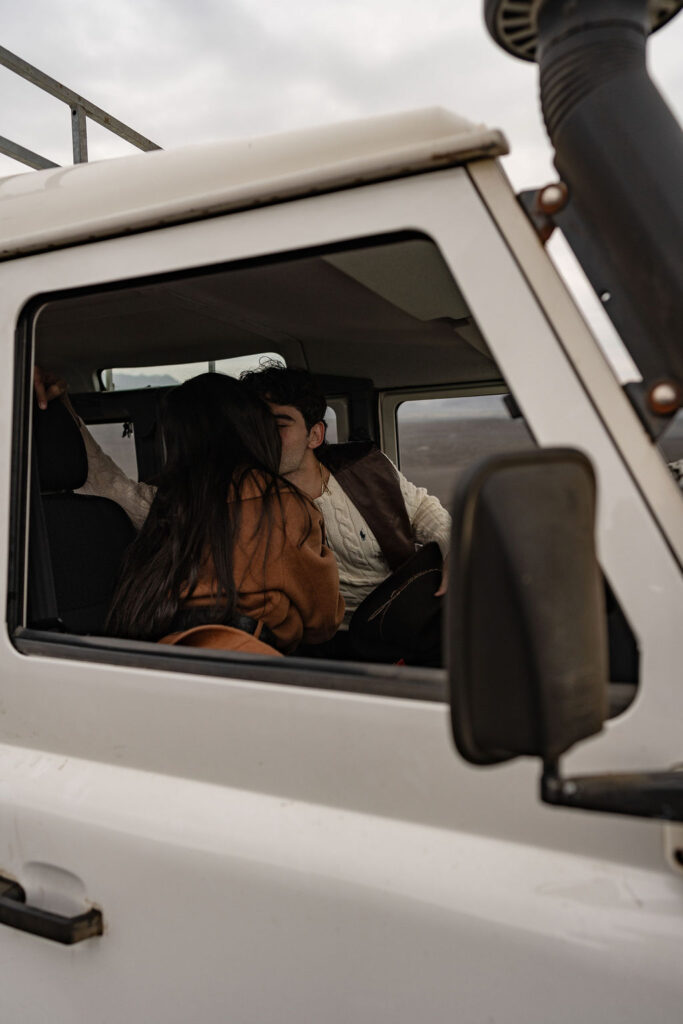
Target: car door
[(299, 841)]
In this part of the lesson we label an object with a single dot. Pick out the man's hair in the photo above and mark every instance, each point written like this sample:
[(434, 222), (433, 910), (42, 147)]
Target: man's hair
[(284, 385)]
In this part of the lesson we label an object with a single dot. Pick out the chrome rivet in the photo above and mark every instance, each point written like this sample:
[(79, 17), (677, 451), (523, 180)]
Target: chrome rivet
[(553, 198), (664, 397)]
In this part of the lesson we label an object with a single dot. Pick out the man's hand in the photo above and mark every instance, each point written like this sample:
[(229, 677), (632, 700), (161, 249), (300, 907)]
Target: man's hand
[(443, 586), (47, 385)]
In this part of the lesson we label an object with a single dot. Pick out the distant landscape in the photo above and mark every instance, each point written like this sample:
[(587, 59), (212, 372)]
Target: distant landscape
[(435, 452)]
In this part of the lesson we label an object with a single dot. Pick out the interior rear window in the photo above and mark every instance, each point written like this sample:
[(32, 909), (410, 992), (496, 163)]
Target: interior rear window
[(126, 378)]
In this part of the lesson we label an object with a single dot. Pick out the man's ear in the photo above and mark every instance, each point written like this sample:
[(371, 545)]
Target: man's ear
[(316, 435)]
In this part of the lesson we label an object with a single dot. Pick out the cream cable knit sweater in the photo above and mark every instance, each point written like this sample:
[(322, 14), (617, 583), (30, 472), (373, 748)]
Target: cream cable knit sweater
[(359, 558), (361, 564)]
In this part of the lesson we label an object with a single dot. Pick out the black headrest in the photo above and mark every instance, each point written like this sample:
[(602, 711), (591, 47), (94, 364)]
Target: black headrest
[(60, 449)]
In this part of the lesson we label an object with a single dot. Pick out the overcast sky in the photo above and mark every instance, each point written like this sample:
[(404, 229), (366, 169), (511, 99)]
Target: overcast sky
[(191, 70), (183, 71)]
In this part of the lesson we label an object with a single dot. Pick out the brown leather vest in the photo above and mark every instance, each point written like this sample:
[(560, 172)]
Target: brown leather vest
[(368, 478)]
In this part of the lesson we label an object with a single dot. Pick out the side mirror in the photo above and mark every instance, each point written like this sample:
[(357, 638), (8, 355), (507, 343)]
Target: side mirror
[(526, 633)]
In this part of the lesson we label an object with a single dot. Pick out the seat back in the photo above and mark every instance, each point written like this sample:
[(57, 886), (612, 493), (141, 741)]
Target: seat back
[(84, 537)]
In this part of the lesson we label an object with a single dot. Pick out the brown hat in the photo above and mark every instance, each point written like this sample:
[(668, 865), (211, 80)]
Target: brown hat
[(401, 618)]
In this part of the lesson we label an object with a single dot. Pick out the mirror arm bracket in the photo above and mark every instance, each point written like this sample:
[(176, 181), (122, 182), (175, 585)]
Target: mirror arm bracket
[(643, 794)]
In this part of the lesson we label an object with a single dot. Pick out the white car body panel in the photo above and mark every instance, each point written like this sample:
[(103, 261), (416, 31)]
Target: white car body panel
[(266, 852), (79, 203), (226, 910)]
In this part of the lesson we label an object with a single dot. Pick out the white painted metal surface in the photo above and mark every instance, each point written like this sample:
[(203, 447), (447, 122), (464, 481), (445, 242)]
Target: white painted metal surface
[(228, 904), (586, 355), (66, 205), (265, 852)]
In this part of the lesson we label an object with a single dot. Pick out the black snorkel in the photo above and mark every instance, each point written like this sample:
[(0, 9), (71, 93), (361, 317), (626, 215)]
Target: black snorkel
[(619, 151)]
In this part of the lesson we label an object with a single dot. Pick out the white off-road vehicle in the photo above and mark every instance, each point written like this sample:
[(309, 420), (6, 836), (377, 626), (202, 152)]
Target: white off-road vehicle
[(193, 835)]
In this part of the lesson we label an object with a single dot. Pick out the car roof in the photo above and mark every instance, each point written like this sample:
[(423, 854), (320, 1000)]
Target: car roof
[(66, 205)]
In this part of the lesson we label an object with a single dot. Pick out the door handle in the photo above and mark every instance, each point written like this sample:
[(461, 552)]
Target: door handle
[(15, 912)]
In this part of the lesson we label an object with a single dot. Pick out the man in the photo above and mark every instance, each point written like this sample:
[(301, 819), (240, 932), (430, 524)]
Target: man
[(374, 517)]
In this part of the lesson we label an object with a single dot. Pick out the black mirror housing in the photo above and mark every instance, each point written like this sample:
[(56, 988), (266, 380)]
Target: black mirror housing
[(526, 632)]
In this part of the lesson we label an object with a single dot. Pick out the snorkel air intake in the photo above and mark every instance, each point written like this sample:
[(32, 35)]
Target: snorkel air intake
[(619, 150)]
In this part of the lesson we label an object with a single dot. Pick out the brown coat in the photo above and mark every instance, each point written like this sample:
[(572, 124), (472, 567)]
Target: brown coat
[(285, 575)]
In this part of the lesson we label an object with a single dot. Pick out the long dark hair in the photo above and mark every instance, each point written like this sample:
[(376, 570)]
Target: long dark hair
[(216, 432)]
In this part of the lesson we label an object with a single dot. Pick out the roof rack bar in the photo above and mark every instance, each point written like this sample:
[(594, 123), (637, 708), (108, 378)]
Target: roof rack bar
[(25, 156), (80, 109), (79, 135)]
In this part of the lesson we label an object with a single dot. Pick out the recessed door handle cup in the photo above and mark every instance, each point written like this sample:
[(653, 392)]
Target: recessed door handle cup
[(16, 913)]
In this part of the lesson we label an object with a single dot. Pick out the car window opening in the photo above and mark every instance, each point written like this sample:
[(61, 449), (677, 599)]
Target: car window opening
[(107, 452)]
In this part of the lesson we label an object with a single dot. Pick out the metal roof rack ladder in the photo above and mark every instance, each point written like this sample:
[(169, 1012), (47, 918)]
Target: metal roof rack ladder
[(81, 109)]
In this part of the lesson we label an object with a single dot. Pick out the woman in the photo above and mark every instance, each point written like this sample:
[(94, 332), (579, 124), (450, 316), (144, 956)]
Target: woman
[(228, 543)]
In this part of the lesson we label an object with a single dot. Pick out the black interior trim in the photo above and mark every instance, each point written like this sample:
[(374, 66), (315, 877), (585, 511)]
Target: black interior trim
[(21, 439), (399, 681), (362, 399)]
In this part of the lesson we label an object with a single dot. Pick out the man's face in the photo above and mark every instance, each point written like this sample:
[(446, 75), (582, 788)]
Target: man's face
[(296, 439)]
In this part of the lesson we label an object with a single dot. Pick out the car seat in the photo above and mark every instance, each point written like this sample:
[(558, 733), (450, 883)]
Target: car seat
[(79, 540)]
